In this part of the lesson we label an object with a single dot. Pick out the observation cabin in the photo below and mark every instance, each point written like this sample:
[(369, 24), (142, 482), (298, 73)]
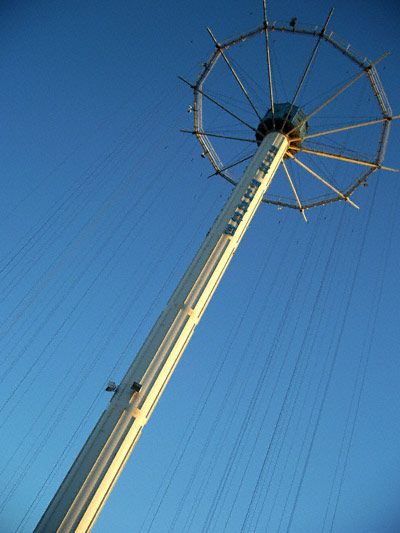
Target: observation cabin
[(290, 124)]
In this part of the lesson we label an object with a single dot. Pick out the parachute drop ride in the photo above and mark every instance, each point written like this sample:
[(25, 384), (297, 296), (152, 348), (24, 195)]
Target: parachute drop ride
[(276, 136)]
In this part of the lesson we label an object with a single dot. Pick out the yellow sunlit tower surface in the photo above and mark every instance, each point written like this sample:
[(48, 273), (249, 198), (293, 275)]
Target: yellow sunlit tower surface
[(279, 134)]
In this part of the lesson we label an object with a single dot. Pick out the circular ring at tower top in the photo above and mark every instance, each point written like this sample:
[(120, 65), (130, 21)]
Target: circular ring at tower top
[(323, 115)]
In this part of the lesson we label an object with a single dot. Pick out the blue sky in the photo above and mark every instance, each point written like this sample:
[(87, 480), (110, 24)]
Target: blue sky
[(104, 202)]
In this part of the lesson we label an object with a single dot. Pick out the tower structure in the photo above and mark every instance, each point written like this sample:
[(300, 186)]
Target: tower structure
[(279, 134)]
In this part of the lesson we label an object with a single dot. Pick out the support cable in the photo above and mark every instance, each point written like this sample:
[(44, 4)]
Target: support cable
[(97, 352), (227, 473), (231, 386), (257, 390), (101, 163), (330, 371), (272, 388), (314, 324), (343, 224), (284, 403), (78, 241), (363, 366)]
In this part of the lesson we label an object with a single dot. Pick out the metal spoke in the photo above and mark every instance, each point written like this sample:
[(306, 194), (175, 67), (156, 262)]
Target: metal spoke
[(347, 159), (234, 73), (269, 64), (218, 104), (323, 181), (337, 93), (194, 132), (307, 68), (346, 128), (221, 170), (294, 191)]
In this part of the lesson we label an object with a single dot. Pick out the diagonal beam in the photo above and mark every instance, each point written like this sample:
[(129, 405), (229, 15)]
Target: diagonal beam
[(218, 104), (234, 73), (219, 171), (345, 158), (366, 69), (323, 181), (386, 119), (307, 68), (194, 132), (271, 96), (294, 191)]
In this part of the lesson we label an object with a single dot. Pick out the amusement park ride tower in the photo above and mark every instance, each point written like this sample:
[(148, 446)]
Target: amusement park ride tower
[(279, 135)]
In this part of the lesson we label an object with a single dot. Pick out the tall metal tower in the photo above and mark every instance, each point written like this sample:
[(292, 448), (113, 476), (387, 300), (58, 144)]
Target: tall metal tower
[(279, 135)]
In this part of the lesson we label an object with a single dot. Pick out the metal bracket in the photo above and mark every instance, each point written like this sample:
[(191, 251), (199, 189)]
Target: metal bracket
[(136, 386)]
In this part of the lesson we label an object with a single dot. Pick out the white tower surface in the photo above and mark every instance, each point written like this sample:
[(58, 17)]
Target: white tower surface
[(85, 489), (278, 135)]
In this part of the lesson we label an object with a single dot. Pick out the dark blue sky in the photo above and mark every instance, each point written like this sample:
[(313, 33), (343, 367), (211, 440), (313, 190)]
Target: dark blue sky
[(103, 204)]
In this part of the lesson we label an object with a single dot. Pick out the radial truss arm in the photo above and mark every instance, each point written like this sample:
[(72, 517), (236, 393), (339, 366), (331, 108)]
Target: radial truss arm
[(218, 104), (194, 132), (345, 158), (221, 170), (234, 74), (323, 181), (337, 93), (307, 68), (294, 191), (345, 128), (271, 96)]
